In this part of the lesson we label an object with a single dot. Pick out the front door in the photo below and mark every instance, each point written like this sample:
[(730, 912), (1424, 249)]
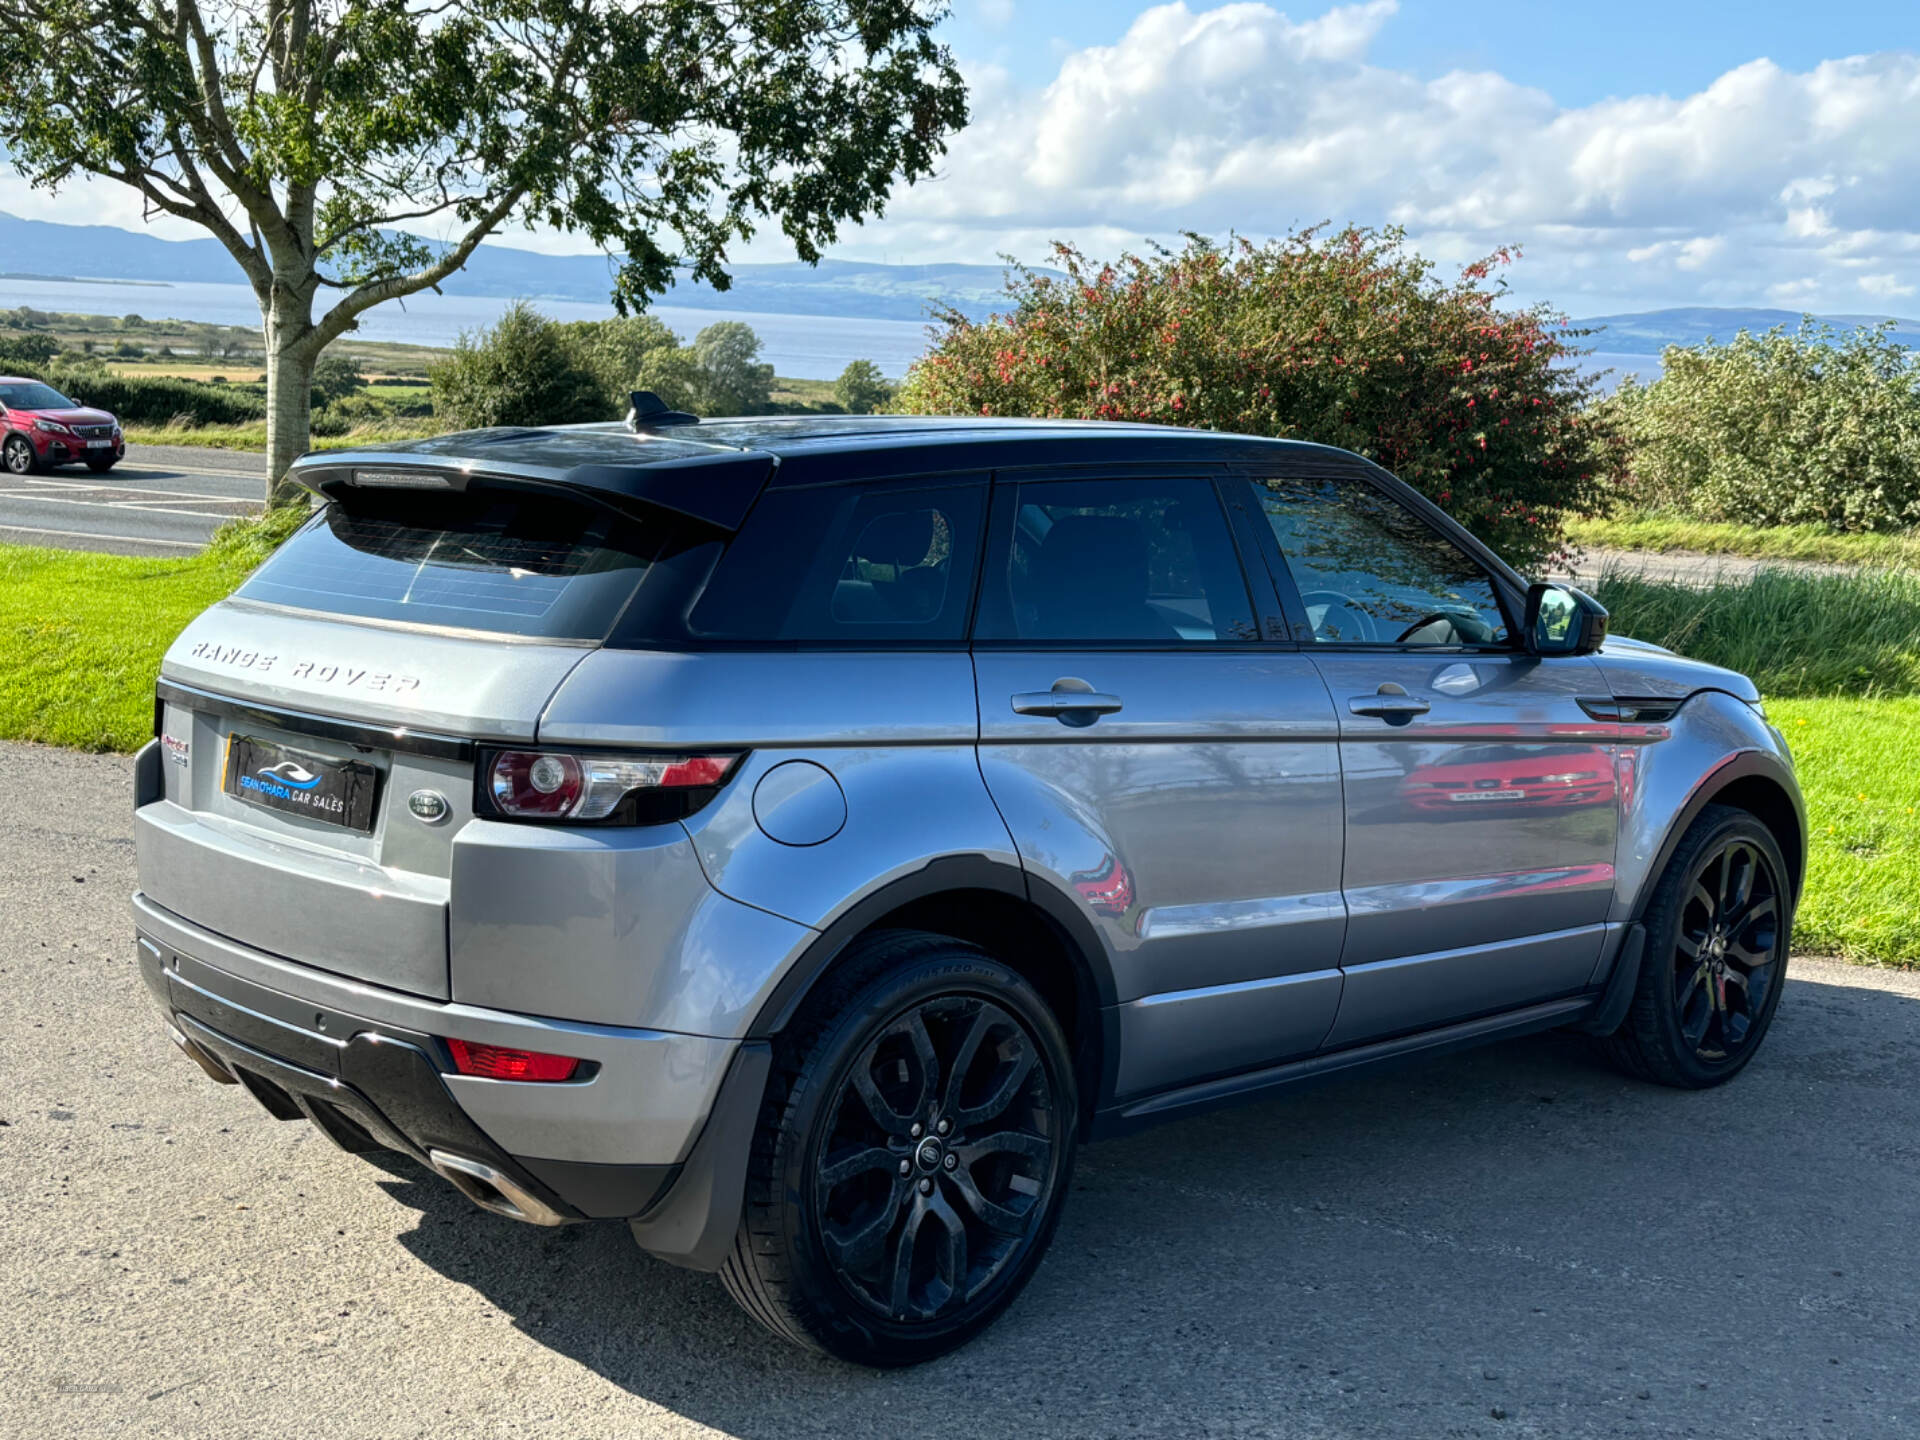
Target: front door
[(1481, 811), (1160, 767)]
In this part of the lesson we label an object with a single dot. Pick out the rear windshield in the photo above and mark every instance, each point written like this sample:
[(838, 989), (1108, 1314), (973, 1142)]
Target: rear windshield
[(528, 564)]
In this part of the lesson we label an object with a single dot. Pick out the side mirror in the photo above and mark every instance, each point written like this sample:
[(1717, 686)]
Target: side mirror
[(1563, 621)]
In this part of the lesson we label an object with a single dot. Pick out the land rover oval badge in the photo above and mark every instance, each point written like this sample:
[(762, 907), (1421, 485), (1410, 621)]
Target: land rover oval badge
[(428, 805)]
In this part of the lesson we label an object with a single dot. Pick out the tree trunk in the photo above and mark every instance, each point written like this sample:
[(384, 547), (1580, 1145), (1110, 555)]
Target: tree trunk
[(289, 394)]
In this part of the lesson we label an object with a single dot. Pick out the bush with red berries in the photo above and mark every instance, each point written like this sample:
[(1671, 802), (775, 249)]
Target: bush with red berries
[(1347, 339)]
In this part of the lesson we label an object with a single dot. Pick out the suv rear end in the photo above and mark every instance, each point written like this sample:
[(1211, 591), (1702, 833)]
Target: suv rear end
[(341, 911)]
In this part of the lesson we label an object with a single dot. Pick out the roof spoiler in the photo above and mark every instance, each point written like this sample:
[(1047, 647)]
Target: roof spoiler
[(716, 489)]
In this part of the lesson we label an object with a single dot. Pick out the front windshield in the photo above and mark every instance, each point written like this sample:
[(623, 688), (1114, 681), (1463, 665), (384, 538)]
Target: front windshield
[(32, 395)]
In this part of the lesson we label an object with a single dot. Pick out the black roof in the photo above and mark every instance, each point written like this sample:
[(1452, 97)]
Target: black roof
[(713, 471)]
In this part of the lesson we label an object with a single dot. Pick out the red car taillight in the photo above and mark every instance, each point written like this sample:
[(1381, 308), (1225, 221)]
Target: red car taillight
[(556, 785), (502, 1062)]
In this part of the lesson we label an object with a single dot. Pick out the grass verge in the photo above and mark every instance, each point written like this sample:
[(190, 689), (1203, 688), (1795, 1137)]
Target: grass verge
[(1854, 634), (84, 633), (1668, 534), (254, 437), (1859, 765)]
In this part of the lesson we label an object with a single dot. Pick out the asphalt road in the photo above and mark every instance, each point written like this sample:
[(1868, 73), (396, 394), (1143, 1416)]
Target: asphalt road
[(160, 500), (1510, 1242)]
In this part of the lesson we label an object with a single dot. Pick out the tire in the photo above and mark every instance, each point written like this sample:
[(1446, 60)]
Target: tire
[(19, 456), (100, 466), (838, 1250), (1719, 926)]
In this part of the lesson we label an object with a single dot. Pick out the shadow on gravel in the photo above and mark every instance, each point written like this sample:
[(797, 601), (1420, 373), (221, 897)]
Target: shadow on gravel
[(1514, 1232)]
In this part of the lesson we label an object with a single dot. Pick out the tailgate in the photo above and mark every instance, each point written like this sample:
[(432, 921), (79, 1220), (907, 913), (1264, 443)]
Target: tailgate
[(363, 892)]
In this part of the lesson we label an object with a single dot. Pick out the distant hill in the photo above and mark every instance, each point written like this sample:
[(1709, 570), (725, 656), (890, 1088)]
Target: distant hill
[(847, 288), (1651, 331)]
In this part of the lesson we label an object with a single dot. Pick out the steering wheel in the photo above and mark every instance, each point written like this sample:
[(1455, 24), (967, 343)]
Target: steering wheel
[(1335, 603), (1424, 621)]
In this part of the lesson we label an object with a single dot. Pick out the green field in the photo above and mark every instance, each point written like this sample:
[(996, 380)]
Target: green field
[(1859, 764), (1668, 535)]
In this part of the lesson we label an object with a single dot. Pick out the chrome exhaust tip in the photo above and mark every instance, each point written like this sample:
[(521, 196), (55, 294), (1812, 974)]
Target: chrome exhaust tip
[(491, 1190), (215, 1070)]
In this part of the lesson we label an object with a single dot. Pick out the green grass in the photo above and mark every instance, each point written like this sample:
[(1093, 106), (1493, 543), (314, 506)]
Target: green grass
[(1707, 537), (84, 633), (1859, 766), (1852, 634), (254, 437)]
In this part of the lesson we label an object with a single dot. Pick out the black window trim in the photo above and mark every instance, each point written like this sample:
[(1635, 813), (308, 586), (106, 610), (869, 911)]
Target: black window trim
[(1509, 588), (1000, 518), (687, 640)]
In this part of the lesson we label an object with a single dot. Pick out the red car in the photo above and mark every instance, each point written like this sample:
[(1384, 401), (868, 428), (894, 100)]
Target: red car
[(40, 427), (1494, 776)]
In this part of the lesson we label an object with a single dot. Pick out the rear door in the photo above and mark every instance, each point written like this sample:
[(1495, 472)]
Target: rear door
[(1162, 766), (1480, 804)]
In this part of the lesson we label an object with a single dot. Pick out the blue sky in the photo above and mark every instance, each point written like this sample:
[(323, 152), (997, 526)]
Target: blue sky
[(1642, 153), (1578, 52)]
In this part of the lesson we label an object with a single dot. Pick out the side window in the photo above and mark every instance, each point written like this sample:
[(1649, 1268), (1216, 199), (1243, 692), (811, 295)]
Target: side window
[(1145, 562), (1371, 572), (841, 564)]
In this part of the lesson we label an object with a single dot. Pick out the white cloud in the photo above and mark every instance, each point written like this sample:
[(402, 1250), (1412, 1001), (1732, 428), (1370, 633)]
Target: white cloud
[(1799, 186), (1887, 287), (1767, 181)]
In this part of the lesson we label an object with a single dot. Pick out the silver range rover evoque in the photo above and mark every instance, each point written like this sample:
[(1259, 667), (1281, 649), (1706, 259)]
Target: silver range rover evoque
[(794, 837)]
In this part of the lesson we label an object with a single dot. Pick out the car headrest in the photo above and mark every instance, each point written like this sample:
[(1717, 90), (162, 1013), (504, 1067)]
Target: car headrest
[(900, 537)]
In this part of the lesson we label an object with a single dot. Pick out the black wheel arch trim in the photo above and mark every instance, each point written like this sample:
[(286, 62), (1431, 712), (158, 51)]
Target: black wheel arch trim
[(947, 875), (1743, 765)]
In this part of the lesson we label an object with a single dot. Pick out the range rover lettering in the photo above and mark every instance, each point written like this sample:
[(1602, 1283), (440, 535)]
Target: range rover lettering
[(795, 837)]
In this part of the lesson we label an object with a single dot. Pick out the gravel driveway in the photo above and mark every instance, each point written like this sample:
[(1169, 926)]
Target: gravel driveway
[(1509, 1242)]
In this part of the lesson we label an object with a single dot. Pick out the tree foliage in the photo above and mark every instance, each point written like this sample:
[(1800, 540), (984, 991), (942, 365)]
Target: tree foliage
[(861, 388), (308, 136), (523, 370), (1347, 339), (1790, 427), (732, 379)]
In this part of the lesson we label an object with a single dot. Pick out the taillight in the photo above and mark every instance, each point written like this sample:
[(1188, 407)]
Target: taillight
[(557, 785), (501, 1062)]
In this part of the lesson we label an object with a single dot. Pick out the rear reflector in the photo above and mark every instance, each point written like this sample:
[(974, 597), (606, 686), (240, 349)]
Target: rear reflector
[(498, 1062)]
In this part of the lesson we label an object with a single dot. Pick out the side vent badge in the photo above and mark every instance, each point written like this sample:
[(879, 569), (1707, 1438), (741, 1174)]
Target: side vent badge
[(428, 805)]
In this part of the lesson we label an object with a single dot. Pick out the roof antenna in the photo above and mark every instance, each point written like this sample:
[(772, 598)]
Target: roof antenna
[(649, 412)]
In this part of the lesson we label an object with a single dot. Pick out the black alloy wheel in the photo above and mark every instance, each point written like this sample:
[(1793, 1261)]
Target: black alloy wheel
[(1719, 926), (1724, 956), (937, 1165), (915, 1149)]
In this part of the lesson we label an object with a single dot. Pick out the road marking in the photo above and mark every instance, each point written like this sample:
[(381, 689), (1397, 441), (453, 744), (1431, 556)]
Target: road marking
[(39, 484), (100, 535), (118, 507)]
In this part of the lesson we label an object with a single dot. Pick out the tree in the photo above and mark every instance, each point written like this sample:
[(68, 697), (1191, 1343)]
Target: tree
[(523, 370), (337, 376), (29, 353), (731, 380), (1347, 339), (302, 134), (861, 388), (618, 350), (1786, 428)]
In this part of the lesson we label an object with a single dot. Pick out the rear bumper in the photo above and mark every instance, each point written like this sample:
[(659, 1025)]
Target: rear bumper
[(370, 1068)]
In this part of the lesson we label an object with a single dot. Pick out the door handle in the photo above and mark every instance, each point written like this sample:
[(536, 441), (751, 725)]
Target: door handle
[(1390, 703), (1070, 701)]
